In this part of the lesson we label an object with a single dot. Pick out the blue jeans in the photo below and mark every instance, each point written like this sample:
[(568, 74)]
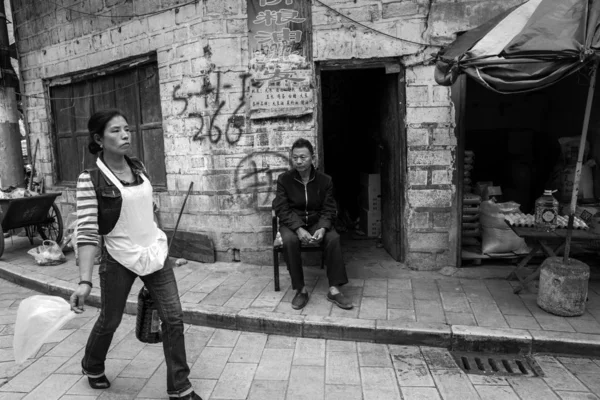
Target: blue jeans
[(115, 285)]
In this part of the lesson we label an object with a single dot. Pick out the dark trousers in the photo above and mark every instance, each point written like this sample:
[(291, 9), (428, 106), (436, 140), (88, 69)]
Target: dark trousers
[(115, 285), (336, 270)]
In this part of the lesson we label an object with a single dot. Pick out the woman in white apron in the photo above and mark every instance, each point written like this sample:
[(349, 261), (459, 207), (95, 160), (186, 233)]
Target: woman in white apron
[(115, 201)]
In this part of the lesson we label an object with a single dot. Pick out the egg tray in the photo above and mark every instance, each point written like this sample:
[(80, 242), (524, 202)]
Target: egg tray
[(562, 224)]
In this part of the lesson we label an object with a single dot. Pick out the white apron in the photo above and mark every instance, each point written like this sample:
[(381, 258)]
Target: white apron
[(135, 242)]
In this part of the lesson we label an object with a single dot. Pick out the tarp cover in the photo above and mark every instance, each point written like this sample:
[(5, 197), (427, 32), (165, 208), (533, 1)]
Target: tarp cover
[(528, 47)]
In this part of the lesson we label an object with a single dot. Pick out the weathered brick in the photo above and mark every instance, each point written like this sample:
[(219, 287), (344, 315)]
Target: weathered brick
[(419, 220), (417, 136), (417, 95), (443, 137), (429, 157), (222, 7), (400, 9), (428, 115), (417, 177), (430, 197), (428, 241), (441, 94), (441, 177), (421, 261), (442, 219), (419, 75)]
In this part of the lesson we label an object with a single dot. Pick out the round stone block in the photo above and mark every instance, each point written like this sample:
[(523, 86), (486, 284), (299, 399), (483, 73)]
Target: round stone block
[(563, 287)]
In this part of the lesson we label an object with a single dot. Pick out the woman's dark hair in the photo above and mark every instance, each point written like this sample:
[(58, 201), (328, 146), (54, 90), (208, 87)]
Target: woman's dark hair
[(96, 125), (301, 143)]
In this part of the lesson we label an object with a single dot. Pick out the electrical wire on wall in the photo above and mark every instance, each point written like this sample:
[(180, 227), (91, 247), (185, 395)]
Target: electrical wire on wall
[(373, 29)]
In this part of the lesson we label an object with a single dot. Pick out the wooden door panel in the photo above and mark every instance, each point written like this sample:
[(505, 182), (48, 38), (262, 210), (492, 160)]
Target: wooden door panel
[(392, 175)]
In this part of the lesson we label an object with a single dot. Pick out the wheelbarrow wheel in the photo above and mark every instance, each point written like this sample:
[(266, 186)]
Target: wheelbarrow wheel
[(1, 241), (52, 228)]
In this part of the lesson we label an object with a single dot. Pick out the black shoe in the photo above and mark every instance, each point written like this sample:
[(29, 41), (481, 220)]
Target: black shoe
[(300, 300), (98, 383), (191, 396)]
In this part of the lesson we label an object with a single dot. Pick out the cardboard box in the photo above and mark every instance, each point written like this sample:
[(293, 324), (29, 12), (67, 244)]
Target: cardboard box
[(370, 222), (370, 199), (372, 181)]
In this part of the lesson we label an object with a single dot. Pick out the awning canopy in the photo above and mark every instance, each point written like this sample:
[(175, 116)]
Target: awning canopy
[(528, 47)]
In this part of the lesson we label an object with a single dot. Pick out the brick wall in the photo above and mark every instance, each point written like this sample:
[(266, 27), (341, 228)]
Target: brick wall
[(232, 160)]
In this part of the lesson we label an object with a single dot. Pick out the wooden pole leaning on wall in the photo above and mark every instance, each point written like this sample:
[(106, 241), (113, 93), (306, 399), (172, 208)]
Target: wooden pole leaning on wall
[(179, 217), (584, 130)]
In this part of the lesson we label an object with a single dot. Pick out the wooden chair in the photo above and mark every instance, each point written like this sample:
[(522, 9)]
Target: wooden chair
[(305, 248)]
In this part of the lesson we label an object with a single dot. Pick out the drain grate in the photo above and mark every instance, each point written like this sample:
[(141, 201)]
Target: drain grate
[(497, 364)]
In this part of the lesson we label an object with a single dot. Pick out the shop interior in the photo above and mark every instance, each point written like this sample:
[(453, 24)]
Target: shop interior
[(351, 132), (518, 145)]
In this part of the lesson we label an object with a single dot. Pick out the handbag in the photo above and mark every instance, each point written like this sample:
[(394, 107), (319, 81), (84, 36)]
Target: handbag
[(147, 324)]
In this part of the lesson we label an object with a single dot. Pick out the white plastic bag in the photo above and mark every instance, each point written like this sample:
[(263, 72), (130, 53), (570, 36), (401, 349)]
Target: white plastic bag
[(49, 253), (38, 318)]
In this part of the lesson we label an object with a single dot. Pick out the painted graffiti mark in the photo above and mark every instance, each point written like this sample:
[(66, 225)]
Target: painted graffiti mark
[(234, 125), (256, 171)]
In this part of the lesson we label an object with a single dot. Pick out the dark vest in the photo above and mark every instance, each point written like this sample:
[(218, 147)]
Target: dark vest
[(109, 196)]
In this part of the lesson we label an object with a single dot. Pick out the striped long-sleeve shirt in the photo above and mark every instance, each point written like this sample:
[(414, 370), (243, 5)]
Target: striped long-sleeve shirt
[(87, 212)]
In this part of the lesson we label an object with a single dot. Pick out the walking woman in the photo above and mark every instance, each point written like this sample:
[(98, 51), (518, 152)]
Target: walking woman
[(115, 201)]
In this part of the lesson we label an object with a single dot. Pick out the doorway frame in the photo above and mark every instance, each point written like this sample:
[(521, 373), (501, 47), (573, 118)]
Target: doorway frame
[(393, 65)]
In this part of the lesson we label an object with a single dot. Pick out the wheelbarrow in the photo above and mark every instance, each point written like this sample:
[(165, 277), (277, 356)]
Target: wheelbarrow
[(34, 214)]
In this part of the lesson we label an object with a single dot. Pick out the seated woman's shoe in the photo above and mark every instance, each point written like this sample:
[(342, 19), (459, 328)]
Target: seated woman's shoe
[(191, 396), (101, 382)]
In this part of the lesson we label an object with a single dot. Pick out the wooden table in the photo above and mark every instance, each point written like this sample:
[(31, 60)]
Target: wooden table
[(549, 243)]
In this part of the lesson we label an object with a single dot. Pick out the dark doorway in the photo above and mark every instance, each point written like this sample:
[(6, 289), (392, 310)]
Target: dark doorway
[(363, 147)]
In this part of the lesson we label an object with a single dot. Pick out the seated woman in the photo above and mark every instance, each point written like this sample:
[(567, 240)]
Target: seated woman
[(306, 209)]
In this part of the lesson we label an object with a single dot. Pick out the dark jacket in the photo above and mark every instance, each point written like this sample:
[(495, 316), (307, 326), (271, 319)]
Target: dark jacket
[(298, 205), (109, 196)]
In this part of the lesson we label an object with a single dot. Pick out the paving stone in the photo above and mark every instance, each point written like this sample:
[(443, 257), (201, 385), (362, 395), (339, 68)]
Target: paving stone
[(68, 348), (268, 390), (532, 389), (239, 302), (193, 297), (554, 323), (478, 338), (203, 387), (453, 384), (429, 311), (399, 284), (565, 342), (275, 365), (490, 392), (420, 393), (7, 355), (252, 287), (454, 318), (235, 381), (309, 352), (425, 290), (127, 349), (401, 299), (144, 364), (53, 387), (12, 396), (343, 392), (576, 395), (223, 338), (34, 374), (455, 302), (373, 355), (557, 376), (248, 348), (341, 345), (210, 363), (522, 322), (479, 380), (438, 358), (123, 388), (280, 342), (413, 333), (379, 383), (410, 366), (80, 397), (306, 382), (9, 369), (375, 288), (584, 325), (208, 284), (401, 315), (488, 315), (342, 368)]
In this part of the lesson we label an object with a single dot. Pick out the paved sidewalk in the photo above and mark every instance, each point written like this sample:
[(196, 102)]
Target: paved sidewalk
[(227, 364), (392, 303)]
